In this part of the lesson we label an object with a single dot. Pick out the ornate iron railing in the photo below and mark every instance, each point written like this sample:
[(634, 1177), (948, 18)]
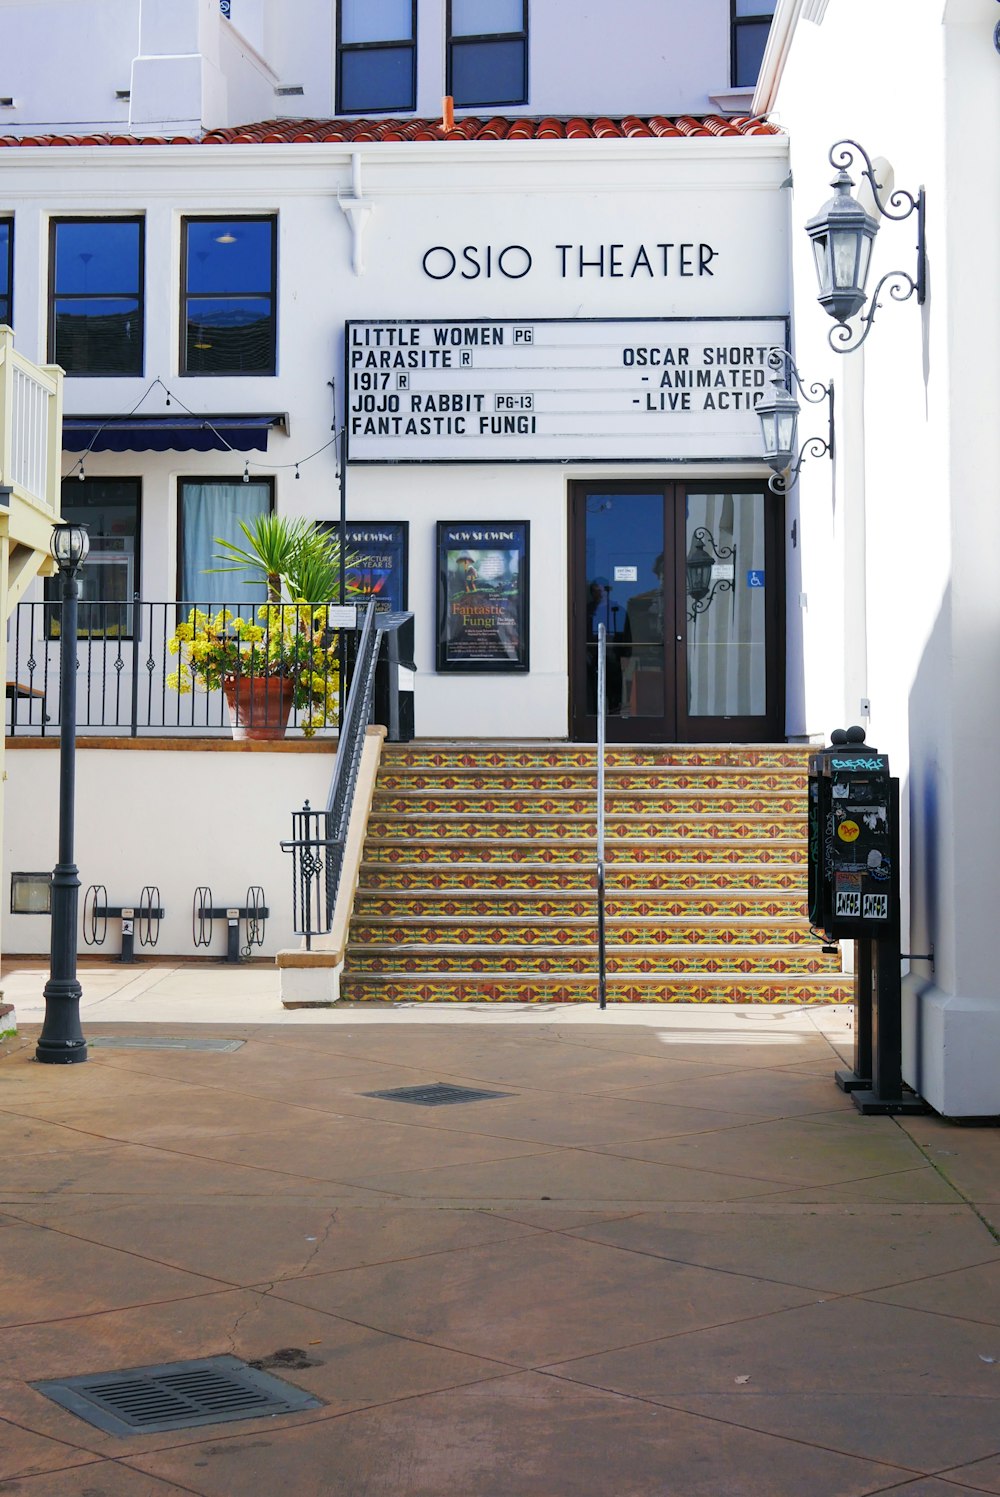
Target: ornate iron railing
[(320, 837), (128, 677)]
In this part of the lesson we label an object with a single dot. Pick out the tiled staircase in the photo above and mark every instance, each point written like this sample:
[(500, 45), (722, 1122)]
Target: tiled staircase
[(478, 881)]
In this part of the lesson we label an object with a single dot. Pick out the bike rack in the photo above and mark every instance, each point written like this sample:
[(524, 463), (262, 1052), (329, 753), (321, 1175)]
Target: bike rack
[(254, 911), (147, 915)]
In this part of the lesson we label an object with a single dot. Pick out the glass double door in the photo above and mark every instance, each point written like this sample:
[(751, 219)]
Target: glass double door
[(688, 580)]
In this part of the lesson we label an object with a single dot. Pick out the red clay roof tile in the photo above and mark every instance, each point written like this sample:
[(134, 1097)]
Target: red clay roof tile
[(469, 127)]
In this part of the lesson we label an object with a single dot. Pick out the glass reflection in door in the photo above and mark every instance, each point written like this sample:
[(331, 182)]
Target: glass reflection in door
[(726, 615), (625, 568)]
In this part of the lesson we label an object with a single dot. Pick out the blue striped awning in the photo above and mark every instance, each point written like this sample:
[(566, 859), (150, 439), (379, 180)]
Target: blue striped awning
[(168, 433)]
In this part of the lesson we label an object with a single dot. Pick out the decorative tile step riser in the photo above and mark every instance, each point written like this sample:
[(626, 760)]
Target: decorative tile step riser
[(582, 828), (633, 880), (570, 756), (573, 907), (636, 804), (566, 852), (527, 961), (677, 990), (551, 933), (632, 781)]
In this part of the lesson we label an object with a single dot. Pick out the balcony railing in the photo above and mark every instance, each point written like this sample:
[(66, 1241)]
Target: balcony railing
[(135, 677), (30, 427)]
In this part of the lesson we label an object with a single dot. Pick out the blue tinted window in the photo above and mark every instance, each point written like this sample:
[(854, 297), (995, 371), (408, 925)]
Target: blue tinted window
[(488, 52), (97, 257), (376, 56), (229, 296), (229, 257), (376, 79), (488, 72), (749, 41), (6, 269), (95, 302)]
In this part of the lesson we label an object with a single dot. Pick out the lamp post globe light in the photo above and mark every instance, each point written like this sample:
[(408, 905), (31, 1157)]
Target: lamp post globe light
[(61, 1041)]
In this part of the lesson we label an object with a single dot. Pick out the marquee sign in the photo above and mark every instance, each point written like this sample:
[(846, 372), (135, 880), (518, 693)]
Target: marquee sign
[(558, 390)]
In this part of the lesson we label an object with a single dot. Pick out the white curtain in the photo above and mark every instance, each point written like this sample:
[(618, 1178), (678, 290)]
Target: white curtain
[(211, 512)]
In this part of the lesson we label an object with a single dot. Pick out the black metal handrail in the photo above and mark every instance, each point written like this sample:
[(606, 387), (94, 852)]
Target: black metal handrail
[(125, 667), (319, 838)]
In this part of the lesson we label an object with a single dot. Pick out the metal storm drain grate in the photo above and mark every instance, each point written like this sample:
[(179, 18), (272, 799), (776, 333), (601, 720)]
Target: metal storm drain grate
[(163, 1042), (176, 1395), (441, 1094)]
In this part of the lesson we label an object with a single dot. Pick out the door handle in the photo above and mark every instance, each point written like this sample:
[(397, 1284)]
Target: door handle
[(680, 638)]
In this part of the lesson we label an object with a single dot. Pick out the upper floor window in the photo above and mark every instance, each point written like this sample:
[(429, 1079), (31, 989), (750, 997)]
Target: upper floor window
[(6, 270), (96, 295), (229, 293), (488, 51), (751, 24), (376, 56)]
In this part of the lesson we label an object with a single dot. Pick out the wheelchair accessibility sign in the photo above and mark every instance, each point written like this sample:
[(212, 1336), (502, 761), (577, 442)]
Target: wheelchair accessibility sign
[(755, 579)]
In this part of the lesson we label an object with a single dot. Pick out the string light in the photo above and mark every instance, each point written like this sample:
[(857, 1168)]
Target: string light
[(246, 471)]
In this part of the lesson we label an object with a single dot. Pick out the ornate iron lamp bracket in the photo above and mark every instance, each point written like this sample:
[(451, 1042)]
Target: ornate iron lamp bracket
[(781, 483), (899, 205)]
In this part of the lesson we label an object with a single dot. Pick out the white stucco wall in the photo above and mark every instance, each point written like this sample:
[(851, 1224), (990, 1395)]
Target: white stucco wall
[(175, 820), (900, 550), (727, 194)]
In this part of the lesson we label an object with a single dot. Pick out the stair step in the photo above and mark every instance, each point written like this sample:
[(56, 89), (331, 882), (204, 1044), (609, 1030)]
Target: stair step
[(619, 779), (578, 931), (782, 850), (530, 904), (505, 756), (397, 957), (548, 988), (399, 873), (583, 824)]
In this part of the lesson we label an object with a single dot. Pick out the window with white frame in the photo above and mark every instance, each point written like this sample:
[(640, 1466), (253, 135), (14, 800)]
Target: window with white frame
[(376, 56), (487, 52), (96, 295), (229, 289)]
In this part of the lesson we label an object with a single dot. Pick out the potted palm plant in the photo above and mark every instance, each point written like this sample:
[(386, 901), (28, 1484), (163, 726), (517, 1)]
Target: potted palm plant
[(284, 655)]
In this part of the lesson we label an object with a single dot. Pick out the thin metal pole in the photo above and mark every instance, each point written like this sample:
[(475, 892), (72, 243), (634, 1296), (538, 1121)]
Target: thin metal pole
[(602, 707), (342, 595), (61, 1041)]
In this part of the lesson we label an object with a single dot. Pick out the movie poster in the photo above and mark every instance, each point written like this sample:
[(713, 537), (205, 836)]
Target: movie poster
[(377, 556), (482, 596)]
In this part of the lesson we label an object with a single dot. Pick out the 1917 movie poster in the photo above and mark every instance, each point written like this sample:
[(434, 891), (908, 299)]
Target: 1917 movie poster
[(483, 597)]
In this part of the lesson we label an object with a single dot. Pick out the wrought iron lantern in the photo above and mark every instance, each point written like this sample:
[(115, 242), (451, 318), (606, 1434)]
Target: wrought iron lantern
[(842, 235), (779, 414), (703, 580)]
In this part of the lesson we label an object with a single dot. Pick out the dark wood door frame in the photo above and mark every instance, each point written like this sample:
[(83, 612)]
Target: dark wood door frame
[(677, 725)]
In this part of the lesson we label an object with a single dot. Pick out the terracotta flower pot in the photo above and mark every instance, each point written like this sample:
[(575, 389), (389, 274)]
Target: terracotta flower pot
[(258, 705)]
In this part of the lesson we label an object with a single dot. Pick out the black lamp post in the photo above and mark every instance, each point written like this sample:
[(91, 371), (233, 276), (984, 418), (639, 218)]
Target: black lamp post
[(61, 1041), (842, 234)]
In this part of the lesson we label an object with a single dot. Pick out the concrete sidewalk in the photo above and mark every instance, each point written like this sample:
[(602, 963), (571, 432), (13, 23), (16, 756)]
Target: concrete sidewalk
[(670, 1260)]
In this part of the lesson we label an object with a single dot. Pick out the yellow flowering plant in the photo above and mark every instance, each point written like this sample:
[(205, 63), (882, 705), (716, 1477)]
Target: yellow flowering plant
[(288, 640), (293, 558)]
